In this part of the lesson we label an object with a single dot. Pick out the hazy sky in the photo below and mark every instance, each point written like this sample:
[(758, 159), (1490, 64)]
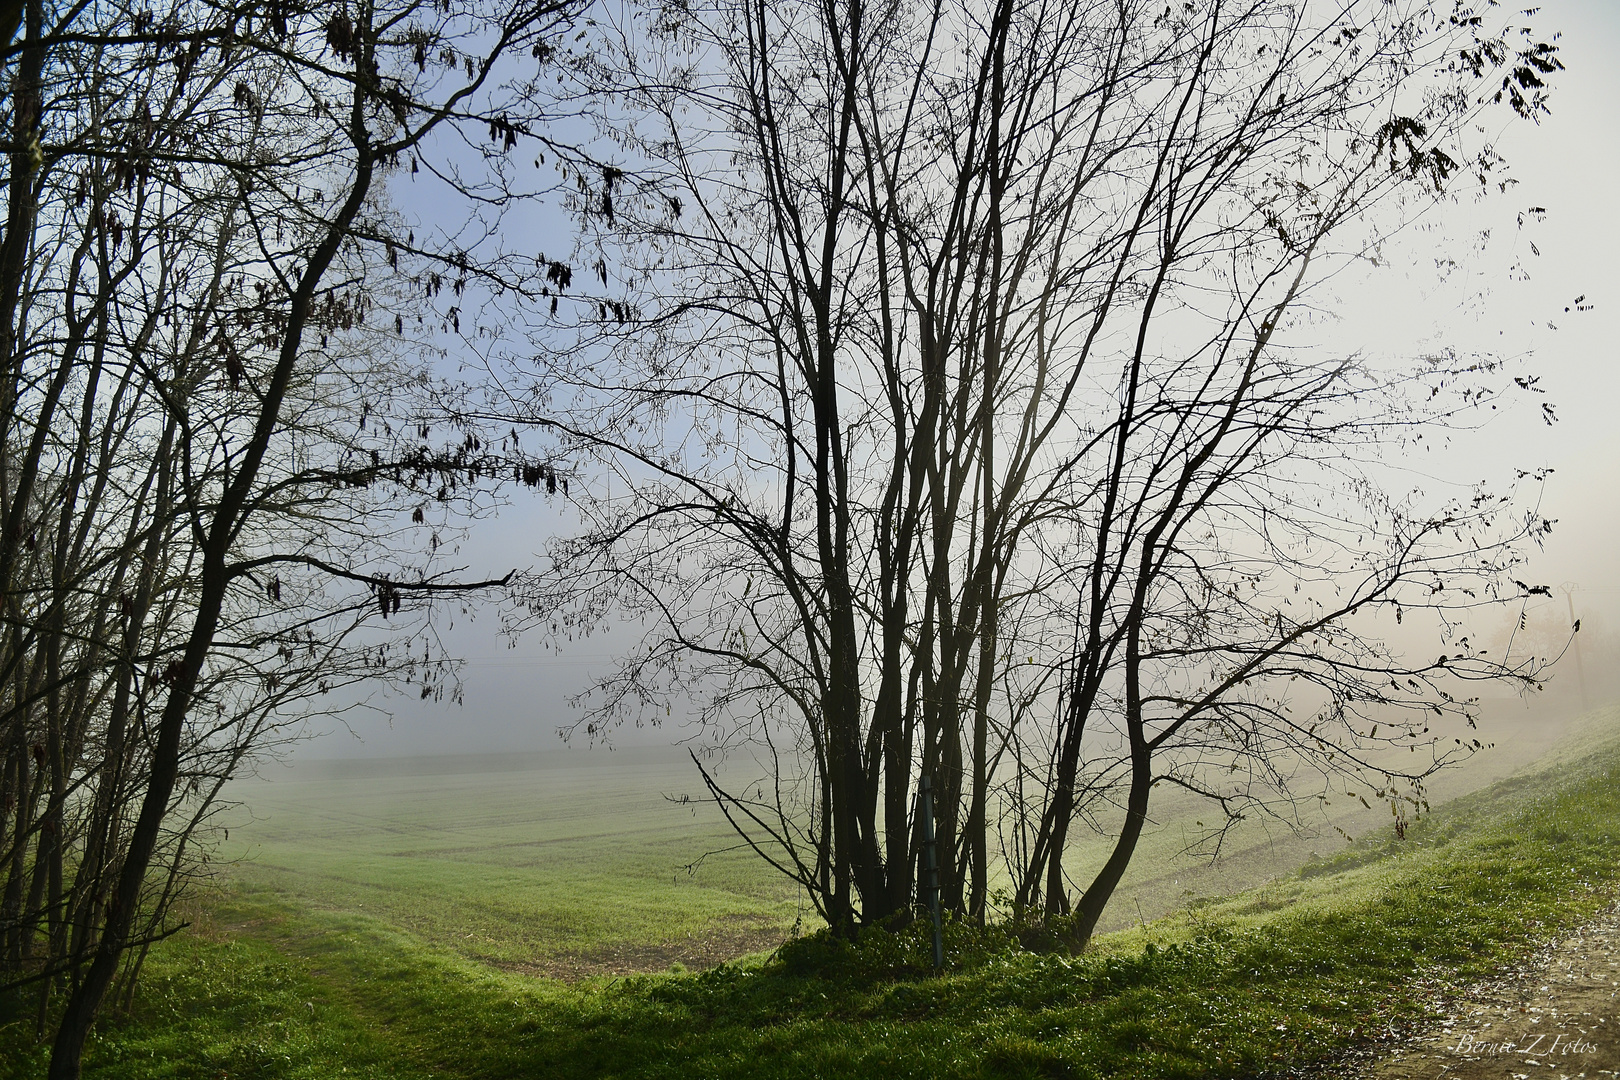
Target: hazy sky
[(1569, 164)]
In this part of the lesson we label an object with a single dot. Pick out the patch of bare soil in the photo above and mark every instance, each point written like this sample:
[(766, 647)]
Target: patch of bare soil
[(722, 940), (1555, 1015)]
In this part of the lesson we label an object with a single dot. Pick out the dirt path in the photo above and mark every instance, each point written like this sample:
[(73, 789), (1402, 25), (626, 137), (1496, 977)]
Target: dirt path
[(1556, 1015), (723, 940)]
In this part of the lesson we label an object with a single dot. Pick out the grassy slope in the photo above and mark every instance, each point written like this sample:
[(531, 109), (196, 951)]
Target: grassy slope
[(1289, 972), (572, 861)]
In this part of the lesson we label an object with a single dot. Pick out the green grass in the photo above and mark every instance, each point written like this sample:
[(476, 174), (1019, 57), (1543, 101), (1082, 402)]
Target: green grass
[(573, 861), (1291, 972)]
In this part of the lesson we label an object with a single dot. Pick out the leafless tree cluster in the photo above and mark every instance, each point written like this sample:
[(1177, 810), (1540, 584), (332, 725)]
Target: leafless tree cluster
[(226, 445), (957, 367), (977, 420)]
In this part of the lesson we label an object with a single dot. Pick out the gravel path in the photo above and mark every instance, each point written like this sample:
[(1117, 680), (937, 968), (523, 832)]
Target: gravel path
[(1556, 1015)]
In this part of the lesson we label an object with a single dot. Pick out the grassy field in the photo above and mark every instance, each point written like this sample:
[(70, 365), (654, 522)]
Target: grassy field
[(329, 981), (565, 863), (576, 862)]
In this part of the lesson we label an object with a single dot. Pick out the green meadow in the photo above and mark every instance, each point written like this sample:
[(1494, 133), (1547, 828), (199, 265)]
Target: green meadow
[(565, 863), (387, 920), (579, 862)]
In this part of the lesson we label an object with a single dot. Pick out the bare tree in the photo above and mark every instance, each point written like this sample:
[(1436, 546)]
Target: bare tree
[(227, 449), (970, 416)]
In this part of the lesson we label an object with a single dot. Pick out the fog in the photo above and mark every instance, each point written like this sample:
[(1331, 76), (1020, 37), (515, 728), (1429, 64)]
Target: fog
[(1514, 294)]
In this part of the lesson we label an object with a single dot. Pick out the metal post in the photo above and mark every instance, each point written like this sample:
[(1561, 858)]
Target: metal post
[(925, 806)]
